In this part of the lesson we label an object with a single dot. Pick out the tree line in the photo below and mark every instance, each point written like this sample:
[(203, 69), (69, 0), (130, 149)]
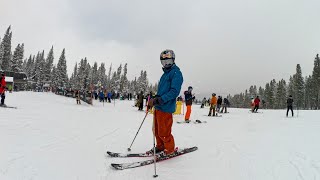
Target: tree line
[(304, 90), (41, 70)]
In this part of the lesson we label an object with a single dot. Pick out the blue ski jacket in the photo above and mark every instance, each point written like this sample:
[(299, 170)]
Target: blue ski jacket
[(169, 89)]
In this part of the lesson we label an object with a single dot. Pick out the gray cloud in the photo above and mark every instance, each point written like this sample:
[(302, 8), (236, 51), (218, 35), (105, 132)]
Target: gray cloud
[(221, 46)]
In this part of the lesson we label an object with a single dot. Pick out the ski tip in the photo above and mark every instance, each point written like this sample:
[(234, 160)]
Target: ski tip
[(117, 166), (110, 153)]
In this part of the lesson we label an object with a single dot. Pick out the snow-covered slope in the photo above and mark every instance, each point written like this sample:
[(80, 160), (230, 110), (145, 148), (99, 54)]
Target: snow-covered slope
[(49, 137)]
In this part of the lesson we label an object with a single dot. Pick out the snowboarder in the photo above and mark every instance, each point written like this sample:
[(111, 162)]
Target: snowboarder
[(165, 103), (256, 104), (290, 105), (219, 102), (203, 103), (188, 98), (2, 88), (213, 104)]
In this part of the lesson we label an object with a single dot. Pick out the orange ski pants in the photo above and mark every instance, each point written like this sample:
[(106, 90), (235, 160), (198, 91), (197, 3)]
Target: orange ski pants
[(162, 124), (187, 117)]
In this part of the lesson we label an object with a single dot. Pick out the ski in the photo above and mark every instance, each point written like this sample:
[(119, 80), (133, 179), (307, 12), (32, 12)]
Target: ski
[(122, 155), (159, 158), (213, 116), (199, 122), (183, 122), (12, 107)]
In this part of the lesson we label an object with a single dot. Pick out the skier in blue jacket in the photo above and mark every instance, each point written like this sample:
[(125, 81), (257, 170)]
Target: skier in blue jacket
[(165, 103)]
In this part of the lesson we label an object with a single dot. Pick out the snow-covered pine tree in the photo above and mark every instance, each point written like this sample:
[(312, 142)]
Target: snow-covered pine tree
[(54, 77), (48, 64), (74, 80), (14, 60), (62, 70), (124, 83), (117, 78), (6, 50), (39, 75), (290, 89), (308, 93), (299, 87), (281, 94), (273, 88), (316, 83), (108, 83), (1, 53), (261, 93), (94, 73), (102, 76), (24, 65), (268, 95), (17, 59)]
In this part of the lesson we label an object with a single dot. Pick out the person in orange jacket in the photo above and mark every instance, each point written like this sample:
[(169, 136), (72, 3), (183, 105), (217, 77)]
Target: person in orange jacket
[(213, 105)]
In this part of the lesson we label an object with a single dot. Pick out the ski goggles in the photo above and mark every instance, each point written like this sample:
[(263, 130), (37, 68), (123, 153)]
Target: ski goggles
[(166, 63)]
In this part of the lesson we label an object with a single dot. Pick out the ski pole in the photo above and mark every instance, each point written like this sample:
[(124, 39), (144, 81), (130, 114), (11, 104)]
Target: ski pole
[(129, 149), (154, 151)]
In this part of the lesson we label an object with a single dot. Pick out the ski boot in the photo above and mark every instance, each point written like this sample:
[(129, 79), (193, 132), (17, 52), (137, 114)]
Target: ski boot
[(151, 151)]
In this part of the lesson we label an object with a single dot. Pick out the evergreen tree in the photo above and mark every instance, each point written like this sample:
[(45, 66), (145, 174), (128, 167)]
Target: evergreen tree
[(54, 77), (16, 63), (290, 90), (102, 76), (299, 87), (124, 86), (109, 77), (48, 65), (6, 50), (94, 72), (261, 93), (316, 83), (62, 70), (268, 95), (281, 94), (308, 92), (1, 54)]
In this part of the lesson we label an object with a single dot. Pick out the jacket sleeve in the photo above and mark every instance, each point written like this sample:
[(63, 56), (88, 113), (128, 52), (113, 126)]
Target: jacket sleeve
[(175, 88)]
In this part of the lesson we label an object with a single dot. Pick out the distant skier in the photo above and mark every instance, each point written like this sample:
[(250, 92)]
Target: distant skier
[(109, 96), (188, 98), (2, 88), (78, 97), (140, 101), (256, 104), (219, 103), (165, 103), (203, 103), (213, 105), (225, 105), (252, 104), (290, 105), (101, 96)]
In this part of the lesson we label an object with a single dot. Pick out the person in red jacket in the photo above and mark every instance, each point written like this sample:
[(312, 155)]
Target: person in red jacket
[(256, 104), (2, 88)]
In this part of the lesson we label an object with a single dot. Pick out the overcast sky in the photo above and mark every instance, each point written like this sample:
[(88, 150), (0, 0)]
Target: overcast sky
[(221, 46)]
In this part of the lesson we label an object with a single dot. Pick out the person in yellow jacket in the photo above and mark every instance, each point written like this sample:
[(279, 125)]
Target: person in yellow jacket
[(213, 105)]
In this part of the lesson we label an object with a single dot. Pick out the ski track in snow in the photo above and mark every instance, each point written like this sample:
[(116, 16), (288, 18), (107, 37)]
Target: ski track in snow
[(50, 137)]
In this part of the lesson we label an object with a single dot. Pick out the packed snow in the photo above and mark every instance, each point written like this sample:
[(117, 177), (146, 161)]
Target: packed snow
[(49, 137)]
